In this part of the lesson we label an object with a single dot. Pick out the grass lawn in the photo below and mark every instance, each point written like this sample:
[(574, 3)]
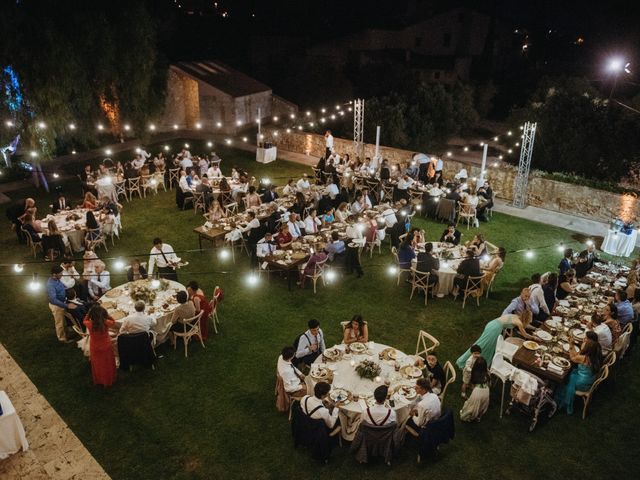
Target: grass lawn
[(213, 415)]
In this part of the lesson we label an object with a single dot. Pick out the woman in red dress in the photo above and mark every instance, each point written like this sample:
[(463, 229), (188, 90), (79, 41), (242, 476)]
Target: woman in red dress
[(196, 295), (103, 361)]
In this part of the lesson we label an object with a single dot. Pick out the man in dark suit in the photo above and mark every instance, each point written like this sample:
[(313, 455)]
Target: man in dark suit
[(469, 267), (270, 194), (427, 263), (590, 253), (454, 194), (14, 213), (61, 203), (451, 235)]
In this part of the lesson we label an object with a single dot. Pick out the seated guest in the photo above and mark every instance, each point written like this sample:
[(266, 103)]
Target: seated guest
[(93, 227), (310, 343), (201, 304), (90, 201), (329, 216), (598, 325), (336, 247), (469, 267), (379, 414), (427, 263), (253, 224), (406, 253), (451, 235), (185, 310), (214, 171), (314, 406), (295, 226), (342, 213), (303, 184), (138, 321), (610, 314), (252, 199), (99, 283), (292, 378), (436, 375), (290, 188), (478, 245), (309, 268), (588, 361), (300, 204), (426, 408), (270, 194), (624, 307), (519, 304), (312, 223), (53, 241), (331, 190), (497, 260), (136, 271), (70, 276), (402, 187), (454, 194), (266, 246), (358, 206), (565, 263), (592, 258), (31, 227), (366, 198), (356, 330), (183, 183), (216, 211), (284, 238), (566, 284)]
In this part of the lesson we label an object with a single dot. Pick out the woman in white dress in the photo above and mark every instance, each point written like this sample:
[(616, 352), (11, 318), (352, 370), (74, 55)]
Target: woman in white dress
[(478, 403)]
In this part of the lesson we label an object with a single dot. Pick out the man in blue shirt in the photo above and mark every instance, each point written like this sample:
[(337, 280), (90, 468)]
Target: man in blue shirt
[(519, 304), (58, 304), (625, 309), (336, 247)]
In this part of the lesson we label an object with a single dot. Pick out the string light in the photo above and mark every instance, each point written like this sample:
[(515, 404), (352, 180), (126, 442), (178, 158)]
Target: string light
[(155, 283), (529, 254), (34, 284), (495, 139), (589, 243), (9, 123), (118, 264), (323, 110), (275, 119), (18, 267), (239, 123), (175, 126), (72, 126), (167, 148), (34, 154), (308, 113), (223, 254), (245, 139), (55, 175), (218, 124), (152, 127), (209, 144), (108, 151), (100, 127), (561, 248), (292, 116), (449, 154), (127, 127), (73, 152), (510, 132), (42, 125), (198, 125), (228, 140), (510, 151), (330, 275), (186, 145), (392, 270), (252, 279), (466, 149)]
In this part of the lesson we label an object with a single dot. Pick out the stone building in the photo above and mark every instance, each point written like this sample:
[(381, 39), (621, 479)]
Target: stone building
[(212, 95)]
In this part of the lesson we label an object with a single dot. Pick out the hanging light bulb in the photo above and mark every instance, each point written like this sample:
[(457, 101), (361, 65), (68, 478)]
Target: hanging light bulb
[(18, 267)]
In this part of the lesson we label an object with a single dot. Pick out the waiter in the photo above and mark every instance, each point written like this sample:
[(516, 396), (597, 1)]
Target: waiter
[(163, 256), (328, 142)]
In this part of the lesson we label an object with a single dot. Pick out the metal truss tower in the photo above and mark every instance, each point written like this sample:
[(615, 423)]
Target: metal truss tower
[(522, 178), (358, 127)]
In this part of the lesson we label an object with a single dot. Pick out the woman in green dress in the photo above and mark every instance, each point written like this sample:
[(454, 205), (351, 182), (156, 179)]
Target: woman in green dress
[(588, 362), (492, 330)]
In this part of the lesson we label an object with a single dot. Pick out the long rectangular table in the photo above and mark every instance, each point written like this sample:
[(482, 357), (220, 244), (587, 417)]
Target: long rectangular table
[(209, 234), (526, 359)]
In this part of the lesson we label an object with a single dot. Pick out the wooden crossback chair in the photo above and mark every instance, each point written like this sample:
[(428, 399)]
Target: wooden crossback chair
[(473, 288), (426, 344)]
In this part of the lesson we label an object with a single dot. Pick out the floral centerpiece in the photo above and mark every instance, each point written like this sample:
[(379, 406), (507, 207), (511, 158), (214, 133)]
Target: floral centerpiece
[(368, 369), (447, 254), (143, 291), (72, 217)]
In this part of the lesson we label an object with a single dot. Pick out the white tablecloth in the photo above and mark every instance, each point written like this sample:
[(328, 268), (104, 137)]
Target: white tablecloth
[(120, 296), (266, 155), (12, 437), (619, 244), (448, 268), (345, 376)]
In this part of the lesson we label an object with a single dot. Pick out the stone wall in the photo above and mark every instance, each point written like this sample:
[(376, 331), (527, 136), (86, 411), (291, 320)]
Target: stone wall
[(568, 198)]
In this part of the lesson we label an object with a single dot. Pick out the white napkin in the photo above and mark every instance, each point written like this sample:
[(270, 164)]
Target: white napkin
[(555, 368)]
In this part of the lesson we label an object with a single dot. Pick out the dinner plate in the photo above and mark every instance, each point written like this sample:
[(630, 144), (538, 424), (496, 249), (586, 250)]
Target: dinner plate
[(339, 394), (332, 353), (578, 333), (372, 401), (112, 293), (320, 373), (565, 347), (408, 392), (530, 345), (543, 335), (358, 347), (561, 362), (412, 371)]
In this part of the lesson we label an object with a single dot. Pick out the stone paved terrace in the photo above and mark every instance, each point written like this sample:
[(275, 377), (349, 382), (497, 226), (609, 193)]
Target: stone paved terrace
[(55, 453)]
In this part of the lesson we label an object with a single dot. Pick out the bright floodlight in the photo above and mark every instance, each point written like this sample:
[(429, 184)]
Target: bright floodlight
[(616, 65)]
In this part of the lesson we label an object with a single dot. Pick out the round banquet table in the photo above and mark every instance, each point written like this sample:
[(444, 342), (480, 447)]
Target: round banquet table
[(619, 244), (346, 377), (119, 304), (448, 268), (74, 230)]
